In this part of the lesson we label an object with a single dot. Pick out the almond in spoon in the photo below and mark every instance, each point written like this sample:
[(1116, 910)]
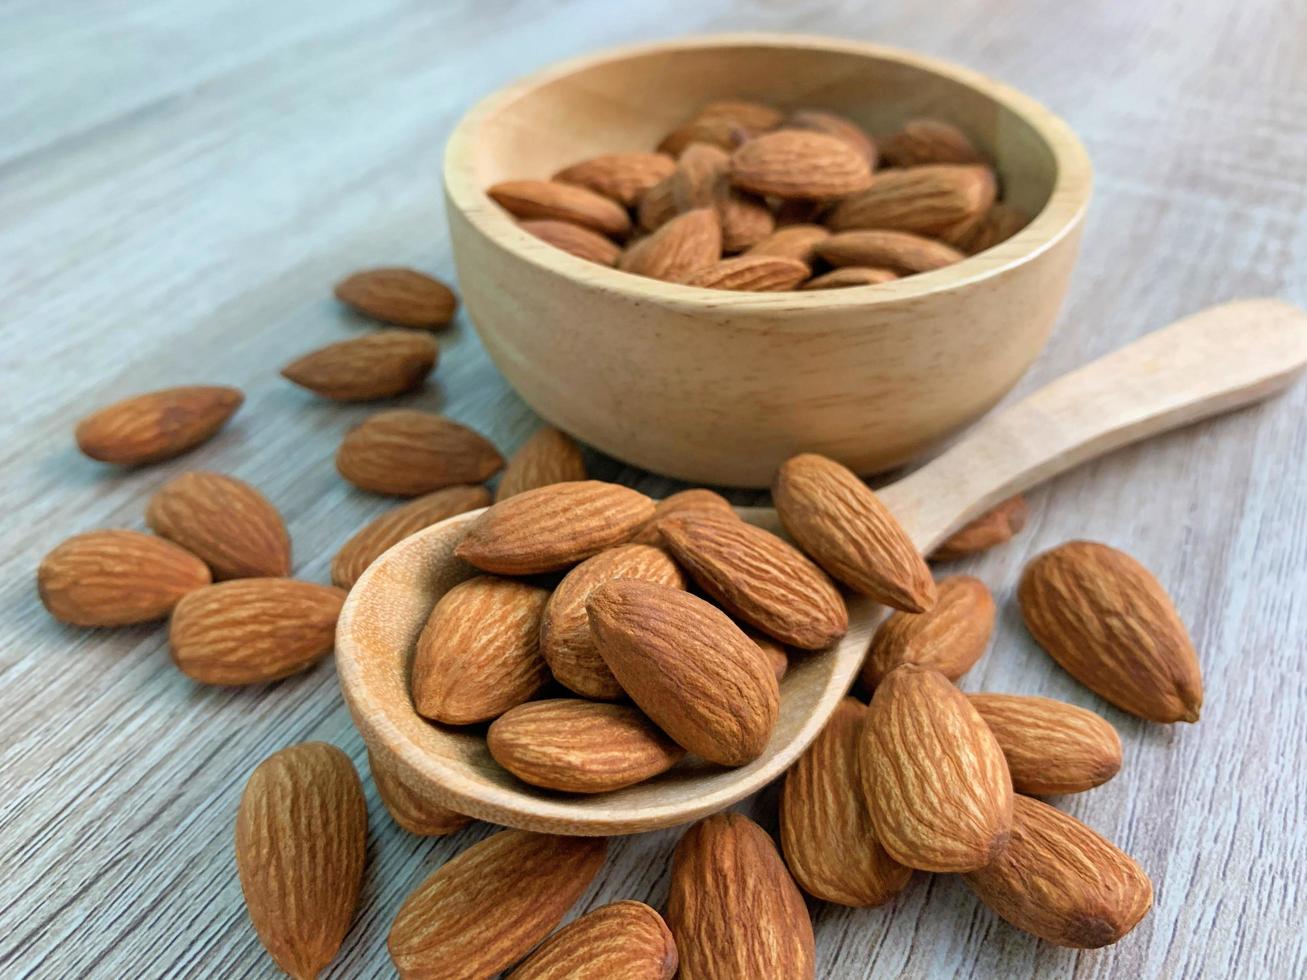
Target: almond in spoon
[(949, 638)]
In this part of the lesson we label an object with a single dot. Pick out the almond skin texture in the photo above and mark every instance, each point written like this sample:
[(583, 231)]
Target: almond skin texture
[(578, 746), (826, 834), (547, 457), (376, 365), (852, 275), (818, 121), (116, 578), (936, 783), (898, 251), (678, 249), (232, 527), (409, 810), (404, 297), (792, 242), (407, 453), (396, 524), (565, 638), (686, 500), (799, 163), (483, 910), (752, 273), (922, 200), (758, 577), (1051, 747), (479, 653), (733, 907), (157, 425), (301, 841), (621, 176), (688, 667), (990, 529), (926, 141), (841, 523), (581, 242), (1062, 882), (626, 940), (949, 638), (1105, 619), (552, 200), (253, 630), (552, 527)]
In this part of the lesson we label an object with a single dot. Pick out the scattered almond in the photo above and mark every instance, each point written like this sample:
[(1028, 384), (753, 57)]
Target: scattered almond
[(696, 498), (758, 273), (548, 456), (410, 810), (926, 141), (621, 176), (851, 275), (407, 453), (949, 638), (800, 163), (897, 251), (1051, 747), (376, 365), (581, 242), (922, 200), (622, 941), (990, 529), (678, 249), (552, 200), (404, 297), (158, 425)]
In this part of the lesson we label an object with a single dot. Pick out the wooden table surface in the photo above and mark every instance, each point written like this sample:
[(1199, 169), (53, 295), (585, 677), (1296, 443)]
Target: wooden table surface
[(182, 183)]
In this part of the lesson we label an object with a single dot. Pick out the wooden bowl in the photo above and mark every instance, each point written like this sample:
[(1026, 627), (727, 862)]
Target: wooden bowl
[(720, 387)]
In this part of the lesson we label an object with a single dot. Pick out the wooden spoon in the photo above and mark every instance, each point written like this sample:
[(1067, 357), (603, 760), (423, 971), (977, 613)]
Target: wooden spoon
[(1211, 362)]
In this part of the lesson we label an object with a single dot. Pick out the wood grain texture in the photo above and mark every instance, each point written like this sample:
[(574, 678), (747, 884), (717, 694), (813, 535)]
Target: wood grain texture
[(183, 183)]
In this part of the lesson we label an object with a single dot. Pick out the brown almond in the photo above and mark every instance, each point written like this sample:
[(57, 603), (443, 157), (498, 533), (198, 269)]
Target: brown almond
[(777, 658), (301, 843), (556, 201), (699, 180), (678, 249), (725, 124), (851, 275), (548, 456), (621, 176), (949, 638), (626, 940), (228, 524), (921, 200), (746, 220), (898, 251), (833, 124), (696, 498), (1051, 747), (758, 577), (926, 141), (581, 242), (158, 425), (483, 910), (994, 227), (756, 117), (479, 653), (798, 163), (688, 667), (1062, 882), (657, 206), (376, 365), (406, 453), (990, 529), (404, 297), (826, 834), (116, 578), (757, 273), (550, 528), (936, 783), (1109, 623), (795, 241), (408, 809), (841, 523), (253, 630)]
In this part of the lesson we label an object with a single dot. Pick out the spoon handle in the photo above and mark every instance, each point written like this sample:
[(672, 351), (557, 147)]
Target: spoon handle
[(1208, 363)]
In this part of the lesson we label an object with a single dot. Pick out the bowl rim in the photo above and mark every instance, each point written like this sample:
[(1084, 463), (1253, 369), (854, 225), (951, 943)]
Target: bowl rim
[(1061, 214)]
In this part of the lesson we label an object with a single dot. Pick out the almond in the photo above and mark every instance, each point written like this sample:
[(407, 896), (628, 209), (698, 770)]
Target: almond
[(581, 242), (547, 457), (792, 242), (927, 141), (733, 907), (758, 577), (988, 530), (922, 200), (565, 638), (800, 163), (756, 117), (483, 910), (826, 833), (841, 523), (621, 176), (725, 124), (376, 365), (1062, 882), (253, 630), (758, 273), (950, 638), (158, 425), (833, 124), (936, 783), (626, 940), (579, 746), (115, 578), (410, 810), (550, 528), (404, 297), (1051, 747), (1109, 623), (479, 653), (897, 251), (301, 842), (688, 667), (225, 522), (406, 453), (396, 524), (657, 206), (699, 180), (746, 220), (994, 227), (696, 498), (552, 200), (851, 275), (678, 249), (777, 658)]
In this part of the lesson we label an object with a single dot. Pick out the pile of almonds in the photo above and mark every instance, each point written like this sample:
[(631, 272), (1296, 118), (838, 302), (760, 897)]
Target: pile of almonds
[(746, 197)]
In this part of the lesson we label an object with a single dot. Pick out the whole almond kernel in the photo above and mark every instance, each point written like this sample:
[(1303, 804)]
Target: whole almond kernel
[(852, 275), (657, 205), (376, 365), (581, 242), (921, 200), (397, 523), (758, 577), (301, 842), (116, 578), (158, 425), (898, 251), (1062, 882), (792, 163), (1051, 747), (926, 141), (678, 249), (696, 498), (410, 810), (553, 200), (746, 220), (547, 457), (688, 667), (550, 528), (700, 178), (990, 529), (483, 910), (579, 746), (949, 638), (253, 630), (1109, 624), (733, 908), (826, 834), (621, 176), (756, 117), (792, 242), (994, 227), (228, 524), (407, 453), (626, 940), (841, 523), (833, 124), (752, 273), (404, 297), (936, 783), (776, 656), (479, 653), (566, 642)]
